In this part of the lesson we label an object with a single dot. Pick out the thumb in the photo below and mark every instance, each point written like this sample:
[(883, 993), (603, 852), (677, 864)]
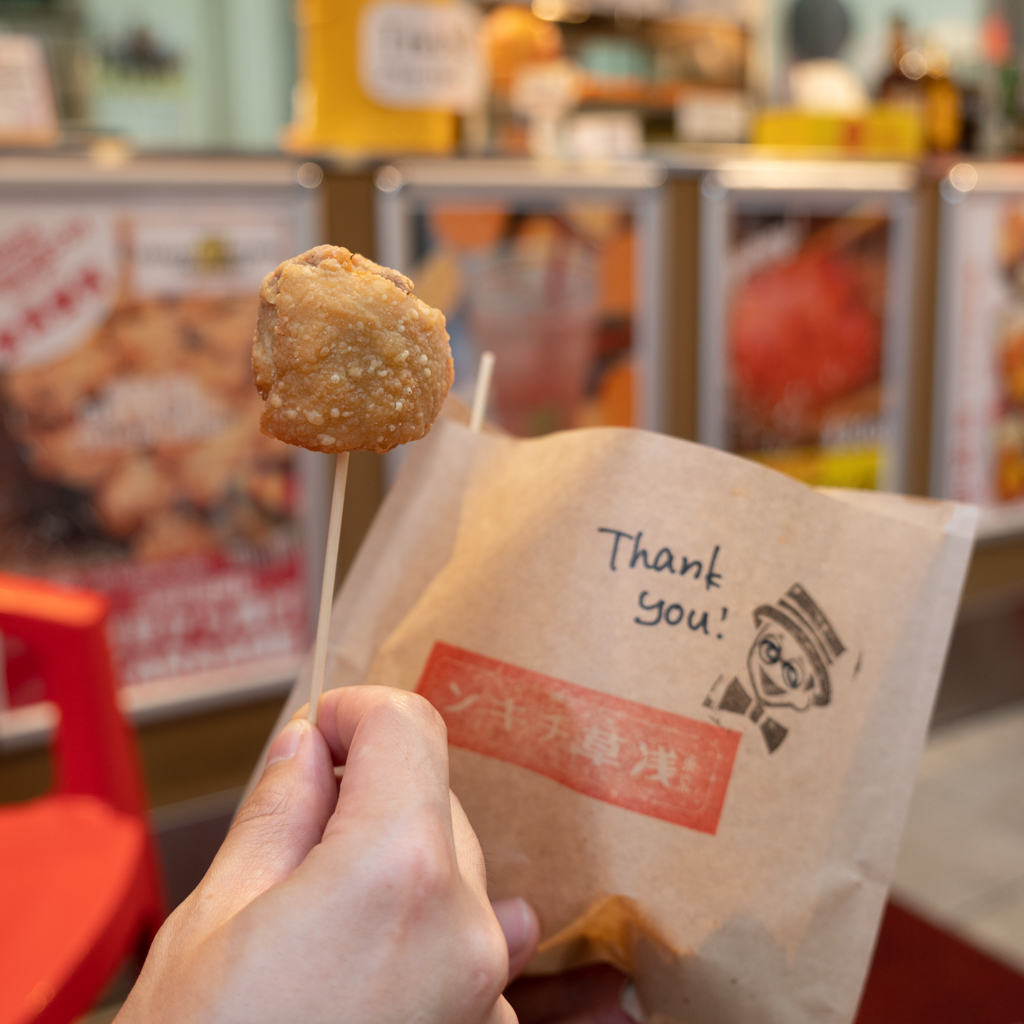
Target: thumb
[(283, 819), (521, 928)]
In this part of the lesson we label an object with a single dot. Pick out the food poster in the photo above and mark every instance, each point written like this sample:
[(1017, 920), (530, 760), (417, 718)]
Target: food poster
[(548, 289), (805, 329), (982, 386), (131, 459)]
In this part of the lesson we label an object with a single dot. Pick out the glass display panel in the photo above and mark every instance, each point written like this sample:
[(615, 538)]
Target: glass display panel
[(548, 287)]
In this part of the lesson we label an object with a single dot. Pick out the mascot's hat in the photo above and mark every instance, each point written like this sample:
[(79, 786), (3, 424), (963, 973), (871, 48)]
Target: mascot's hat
[(800, 616)]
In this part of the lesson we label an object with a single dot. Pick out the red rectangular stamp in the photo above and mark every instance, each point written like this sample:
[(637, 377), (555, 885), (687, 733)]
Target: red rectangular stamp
[(616, 750)]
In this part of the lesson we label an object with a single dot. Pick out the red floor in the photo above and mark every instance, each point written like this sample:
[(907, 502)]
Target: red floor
[(921, 975)]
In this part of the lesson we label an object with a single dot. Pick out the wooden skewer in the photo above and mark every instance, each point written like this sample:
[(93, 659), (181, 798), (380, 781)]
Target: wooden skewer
[(316, 685), (323, 626), (483, 389)]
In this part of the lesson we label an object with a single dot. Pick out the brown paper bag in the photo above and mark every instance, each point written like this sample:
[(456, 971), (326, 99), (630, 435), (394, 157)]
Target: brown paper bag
[(685, 698)]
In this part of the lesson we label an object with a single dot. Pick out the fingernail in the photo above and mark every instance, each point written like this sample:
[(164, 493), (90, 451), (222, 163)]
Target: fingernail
[(287, 741), (516, 920)]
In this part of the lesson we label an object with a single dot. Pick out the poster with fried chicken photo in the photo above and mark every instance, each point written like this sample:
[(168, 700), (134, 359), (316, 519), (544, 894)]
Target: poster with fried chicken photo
[(131, 459), (979, 435), (1007, 468)]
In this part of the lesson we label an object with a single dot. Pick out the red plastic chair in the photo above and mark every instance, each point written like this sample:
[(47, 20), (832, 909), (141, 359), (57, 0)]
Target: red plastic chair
[(79, 882)]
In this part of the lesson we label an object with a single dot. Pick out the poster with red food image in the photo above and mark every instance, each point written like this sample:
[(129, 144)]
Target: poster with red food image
[(131, 459), (808, 271), (805, 325), (979, 424)]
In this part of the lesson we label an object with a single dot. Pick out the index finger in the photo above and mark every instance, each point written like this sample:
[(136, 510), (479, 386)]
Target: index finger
[(394, 746)]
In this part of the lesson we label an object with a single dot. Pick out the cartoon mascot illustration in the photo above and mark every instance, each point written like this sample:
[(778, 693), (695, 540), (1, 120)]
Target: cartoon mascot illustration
[(787, 665)]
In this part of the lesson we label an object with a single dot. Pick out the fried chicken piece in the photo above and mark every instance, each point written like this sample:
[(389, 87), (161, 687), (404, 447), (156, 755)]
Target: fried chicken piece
[(60, 456), (52, 394), (148, 337), (207, 471), (172, 534), (345, 357), (138, 491), (267, 487), (216, 337)]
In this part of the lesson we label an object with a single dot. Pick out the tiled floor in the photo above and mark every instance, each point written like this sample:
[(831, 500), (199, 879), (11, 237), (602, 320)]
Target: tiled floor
[(961, 863)]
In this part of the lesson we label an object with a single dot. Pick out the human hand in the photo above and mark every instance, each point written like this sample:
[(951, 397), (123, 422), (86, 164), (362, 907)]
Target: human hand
[(366, 903)]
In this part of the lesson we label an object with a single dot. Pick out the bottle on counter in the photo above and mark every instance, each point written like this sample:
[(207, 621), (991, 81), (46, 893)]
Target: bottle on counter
[(999, 92), (919, 79), (943, 104), (903, 84)]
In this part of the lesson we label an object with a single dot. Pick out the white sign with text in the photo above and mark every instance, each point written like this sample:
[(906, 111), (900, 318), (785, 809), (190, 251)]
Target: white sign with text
[(424, 56)]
